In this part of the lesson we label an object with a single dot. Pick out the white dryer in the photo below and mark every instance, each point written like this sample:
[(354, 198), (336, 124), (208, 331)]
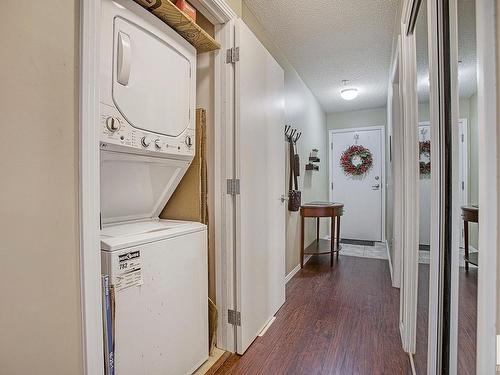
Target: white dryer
[(158, 268), (148, 83)]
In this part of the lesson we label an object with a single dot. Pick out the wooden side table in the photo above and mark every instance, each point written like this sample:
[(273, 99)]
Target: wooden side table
[(320, 247), (470, 214)]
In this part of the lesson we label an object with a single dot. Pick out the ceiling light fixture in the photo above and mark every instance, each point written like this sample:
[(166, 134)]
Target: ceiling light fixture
[(348, 93)]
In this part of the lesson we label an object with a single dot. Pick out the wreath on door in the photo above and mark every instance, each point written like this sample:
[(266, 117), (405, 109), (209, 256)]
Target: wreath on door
[(356, 160), (425, 158)]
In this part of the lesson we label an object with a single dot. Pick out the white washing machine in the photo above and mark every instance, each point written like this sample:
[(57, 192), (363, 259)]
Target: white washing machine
[(158, 268)]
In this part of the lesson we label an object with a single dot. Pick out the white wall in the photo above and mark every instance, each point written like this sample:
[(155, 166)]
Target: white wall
[(303, 112), (40, 330), (357, 119)]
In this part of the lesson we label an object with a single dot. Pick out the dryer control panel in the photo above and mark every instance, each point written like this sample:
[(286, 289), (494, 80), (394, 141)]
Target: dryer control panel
[(116, 130)]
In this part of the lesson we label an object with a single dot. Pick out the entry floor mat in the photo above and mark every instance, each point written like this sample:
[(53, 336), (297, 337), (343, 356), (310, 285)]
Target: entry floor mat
[(357, 242)]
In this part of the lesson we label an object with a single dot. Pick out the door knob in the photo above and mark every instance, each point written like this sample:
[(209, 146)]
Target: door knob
[(376, 187), (283, 198)]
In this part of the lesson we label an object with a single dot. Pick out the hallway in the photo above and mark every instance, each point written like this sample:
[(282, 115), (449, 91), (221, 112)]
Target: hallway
[(334, 321)]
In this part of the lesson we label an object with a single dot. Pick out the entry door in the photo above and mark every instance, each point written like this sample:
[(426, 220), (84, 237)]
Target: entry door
[(361, 195), (260, 211)]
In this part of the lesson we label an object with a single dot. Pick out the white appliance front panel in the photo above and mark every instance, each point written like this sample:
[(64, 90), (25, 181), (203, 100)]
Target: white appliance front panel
[(161, 326), (153, 93), (148, 82), (136, 186)]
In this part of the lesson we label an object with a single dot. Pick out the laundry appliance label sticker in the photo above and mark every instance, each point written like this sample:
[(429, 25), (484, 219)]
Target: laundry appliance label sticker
[(128, 270)]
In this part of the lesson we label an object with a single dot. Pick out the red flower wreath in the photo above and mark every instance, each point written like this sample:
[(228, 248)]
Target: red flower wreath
[(365, 158), (425, 150)]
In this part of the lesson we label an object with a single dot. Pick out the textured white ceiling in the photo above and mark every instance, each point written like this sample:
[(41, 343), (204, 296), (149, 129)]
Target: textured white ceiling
[(331, 40)]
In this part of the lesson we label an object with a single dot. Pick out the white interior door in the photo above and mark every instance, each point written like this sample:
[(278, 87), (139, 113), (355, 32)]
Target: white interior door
[(424, 134), (361, 195), (463, 173), (260, 164)]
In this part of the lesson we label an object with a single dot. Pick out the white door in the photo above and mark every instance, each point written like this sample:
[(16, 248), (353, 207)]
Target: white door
[(463, 174), (425, 183), (361, 195), (260, 216), (424, 134)]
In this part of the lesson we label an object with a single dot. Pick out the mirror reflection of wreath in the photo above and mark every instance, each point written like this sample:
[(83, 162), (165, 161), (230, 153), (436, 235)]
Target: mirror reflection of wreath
[(425, 158), (356, 160)]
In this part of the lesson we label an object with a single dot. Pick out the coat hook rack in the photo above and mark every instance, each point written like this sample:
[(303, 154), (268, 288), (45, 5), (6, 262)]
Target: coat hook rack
[(292, 134), (297, 137)]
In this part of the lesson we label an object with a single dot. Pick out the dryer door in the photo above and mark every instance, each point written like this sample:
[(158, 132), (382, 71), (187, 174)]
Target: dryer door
[(152, 80)]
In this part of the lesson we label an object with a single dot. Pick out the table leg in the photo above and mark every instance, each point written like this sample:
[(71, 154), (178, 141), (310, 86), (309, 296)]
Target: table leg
[(302, 242), (317, 229), (332, 241), (466, 244), (337, 218)]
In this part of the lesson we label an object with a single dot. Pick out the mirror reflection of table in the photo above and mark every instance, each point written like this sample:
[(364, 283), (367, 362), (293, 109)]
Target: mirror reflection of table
[(320, 246), (470, 214)]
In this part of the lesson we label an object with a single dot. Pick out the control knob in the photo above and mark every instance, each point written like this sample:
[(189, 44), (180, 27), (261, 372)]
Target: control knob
[(145, 141), (189, 141), (158, 144), (113, 124)]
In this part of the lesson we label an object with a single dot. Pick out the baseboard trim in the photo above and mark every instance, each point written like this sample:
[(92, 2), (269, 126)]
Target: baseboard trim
[(412, 364), (266, 327), (390, 261), (295, 270)]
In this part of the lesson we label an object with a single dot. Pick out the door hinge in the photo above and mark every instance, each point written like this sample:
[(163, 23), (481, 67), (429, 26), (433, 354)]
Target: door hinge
[(234, 317), (232, 55), (462, 137), (331, 146), (463, 185), (331, 185), (233, 186)]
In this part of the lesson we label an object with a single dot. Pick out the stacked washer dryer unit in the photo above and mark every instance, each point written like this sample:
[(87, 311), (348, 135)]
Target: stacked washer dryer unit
[(158, 267)]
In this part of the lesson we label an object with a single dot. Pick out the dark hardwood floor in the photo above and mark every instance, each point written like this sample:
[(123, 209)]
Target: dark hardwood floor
[(467, 321), (341, 320), (420, 356)]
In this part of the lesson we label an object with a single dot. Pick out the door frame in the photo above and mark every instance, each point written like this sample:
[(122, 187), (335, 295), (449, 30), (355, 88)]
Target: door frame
[(220, 13), (489, 174), (331, 132), (395, 143), (410, 170)]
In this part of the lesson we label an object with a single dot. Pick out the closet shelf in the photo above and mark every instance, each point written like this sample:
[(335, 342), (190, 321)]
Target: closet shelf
[(180, 22)]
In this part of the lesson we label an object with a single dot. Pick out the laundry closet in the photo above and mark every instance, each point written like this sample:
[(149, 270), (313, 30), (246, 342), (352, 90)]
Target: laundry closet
[(154, 188)]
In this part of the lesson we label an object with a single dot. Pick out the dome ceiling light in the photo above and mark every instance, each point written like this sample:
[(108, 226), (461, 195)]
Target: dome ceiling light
[(348, 93)]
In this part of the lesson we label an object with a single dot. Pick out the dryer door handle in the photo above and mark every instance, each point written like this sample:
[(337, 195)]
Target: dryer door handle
[(124, 57)]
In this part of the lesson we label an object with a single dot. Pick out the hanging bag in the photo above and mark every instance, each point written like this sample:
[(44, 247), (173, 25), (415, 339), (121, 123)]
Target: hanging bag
[(294, 195)]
